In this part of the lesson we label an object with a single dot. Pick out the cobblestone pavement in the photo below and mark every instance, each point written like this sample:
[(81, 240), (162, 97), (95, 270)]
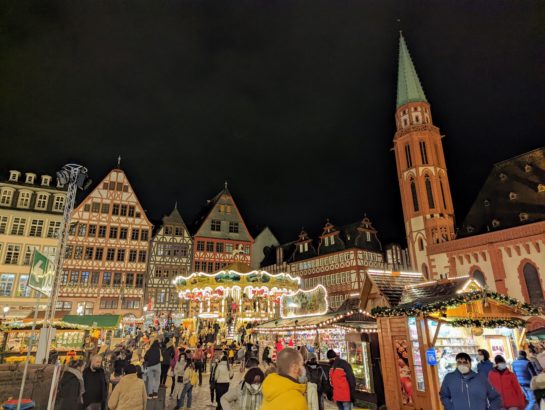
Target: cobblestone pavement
[(201, 395)]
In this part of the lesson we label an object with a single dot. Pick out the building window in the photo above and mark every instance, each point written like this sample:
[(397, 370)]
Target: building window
[(129, 280), (115, 209), (210, 267), (53, 229), (233, 227), (178, 231), (414, 196), (82, 230), (95, 207), (58, 204), (420, 244), (215, 225), (12, 254), (111, 186), (3, 224), (41, 201), (479, 277), (84, 278), (36, 228), (442, 193), (209, 246), (108, 303), (142, 256), (95, 278), (68, 251), (123, 210), (533, 284), (134, 234), (106, 279), (429, 192), (78, 252), (132, 255), (6, 283), (200, 246), (144, 235), (131, 211), (92, 232), (130, 304), (425, 271), (168, 230), (74, 278), (197, 266), (23, 290), (110, 254), (86, 208), (123, 234), (113, 232), (408, 156), (139, 280), (63, 305), (18, 226), (117, 279), (29, 251), (88, 255), (64, 277), (24, 199), (423, 152), (99, 254), (368, 236), (102, 231), (105, 209), (121, 255), (219, 247), (7, 196)]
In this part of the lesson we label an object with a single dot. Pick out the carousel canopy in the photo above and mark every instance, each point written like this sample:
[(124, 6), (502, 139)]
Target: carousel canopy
[(354, 319), (94, 321)]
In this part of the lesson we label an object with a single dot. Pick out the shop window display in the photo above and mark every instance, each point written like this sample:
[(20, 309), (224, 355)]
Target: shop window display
[(358, 356), (406, 385)]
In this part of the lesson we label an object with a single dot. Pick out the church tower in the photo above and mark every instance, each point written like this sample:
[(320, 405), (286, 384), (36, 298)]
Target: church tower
[(425, 193)]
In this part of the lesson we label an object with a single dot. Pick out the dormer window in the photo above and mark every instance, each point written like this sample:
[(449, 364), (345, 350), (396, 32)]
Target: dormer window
[(46, 180), (495, 223), (486, 202), (58, 205), (30, 178), (6, 197), (527, 168), (24, 199), (14, 176), (523, 216), (303, 247), (41, 201), (329, 240), (368, 236), (502, 177), (512, 196)]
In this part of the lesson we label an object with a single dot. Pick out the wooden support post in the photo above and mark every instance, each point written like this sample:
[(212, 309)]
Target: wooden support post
[(436, 333)]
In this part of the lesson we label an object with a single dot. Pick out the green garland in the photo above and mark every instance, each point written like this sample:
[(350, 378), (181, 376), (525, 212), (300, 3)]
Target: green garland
[(417, 308), (59, 324), (490, 323)]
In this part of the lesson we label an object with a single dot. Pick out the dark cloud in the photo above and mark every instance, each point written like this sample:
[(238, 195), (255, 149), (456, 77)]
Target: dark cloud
[(292, 102)]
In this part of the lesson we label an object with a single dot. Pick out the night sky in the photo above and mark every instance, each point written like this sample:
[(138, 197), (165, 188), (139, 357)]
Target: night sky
[(292, 102)]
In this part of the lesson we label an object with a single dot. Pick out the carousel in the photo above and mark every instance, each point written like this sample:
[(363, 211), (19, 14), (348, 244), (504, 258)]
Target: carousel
[(233, 297)]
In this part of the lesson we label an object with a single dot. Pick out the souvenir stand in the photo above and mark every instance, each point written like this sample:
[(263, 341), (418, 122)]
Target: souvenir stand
[(103, 329), (420, 337), (306, 321), (68, 341)]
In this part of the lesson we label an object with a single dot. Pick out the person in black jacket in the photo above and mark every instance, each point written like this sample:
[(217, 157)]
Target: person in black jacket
[(152, 361), (316, 375), (96, 389), (71, 387), (167, 350)]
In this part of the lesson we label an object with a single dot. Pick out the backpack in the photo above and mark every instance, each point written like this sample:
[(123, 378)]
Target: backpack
[(318, 377)]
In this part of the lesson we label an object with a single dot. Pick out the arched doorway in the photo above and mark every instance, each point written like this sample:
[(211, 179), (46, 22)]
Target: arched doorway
[(479, 277)]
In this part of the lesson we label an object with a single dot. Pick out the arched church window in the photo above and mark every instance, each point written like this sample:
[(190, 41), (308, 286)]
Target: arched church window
[(420, 244), (533, 284), (423, 152), (413, 193), (408, 156), (443, 193), (425, 271), (479, 277), (429, 192)]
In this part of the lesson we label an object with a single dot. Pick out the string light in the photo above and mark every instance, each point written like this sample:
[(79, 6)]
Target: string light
[(285, 301)]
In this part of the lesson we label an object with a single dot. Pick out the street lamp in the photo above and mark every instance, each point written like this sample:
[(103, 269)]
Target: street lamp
[(6, 310), (145, 309)]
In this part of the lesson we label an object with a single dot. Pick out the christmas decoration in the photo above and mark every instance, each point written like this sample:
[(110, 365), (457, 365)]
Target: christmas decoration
[(490, 323)]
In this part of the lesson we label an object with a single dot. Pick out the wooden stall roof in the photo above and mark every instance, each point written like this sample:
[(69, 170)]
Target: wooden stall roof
[(94, 321), (392, 284), (354, 318)]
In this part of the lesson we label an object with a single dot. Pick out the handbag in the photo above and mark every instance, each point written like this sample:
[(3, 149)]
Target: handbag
[(170, 373)]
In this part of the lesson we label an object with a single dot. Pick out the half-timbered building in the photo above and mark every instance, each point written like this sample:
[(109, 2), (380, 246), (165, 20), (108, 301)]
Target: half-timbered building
[(170, 255), (107, 252), (220, 235)]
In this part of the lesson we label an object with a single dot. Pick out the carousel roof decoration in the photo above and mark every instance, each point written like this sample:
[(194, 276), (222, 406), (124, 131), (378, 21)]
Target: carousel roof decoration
[(438, 296), (304, 303), (59, 324), (224, 282)]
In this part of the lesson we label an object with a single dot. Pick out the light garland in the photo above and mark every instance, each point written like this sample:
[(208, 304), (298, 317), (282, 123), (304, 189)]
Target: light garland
[(316, 289), (460, 299), (232, 272), (511, 323), (28, 325)]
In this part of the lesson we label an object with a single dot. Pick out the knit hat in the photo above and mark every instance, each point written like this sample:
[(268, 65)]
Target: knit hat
[(312, 356), (331, 354)]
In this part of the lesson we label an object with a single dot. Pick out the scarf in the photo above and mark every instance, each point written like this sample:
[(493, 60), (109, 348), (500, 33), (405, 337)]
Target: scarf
[(79, 376)]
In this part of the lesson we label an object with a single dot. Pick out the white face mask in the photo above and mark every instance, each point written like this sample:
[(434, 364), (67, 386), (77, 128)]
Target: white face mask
[(480, 357), (255, 386), (463, 368), (502, 366)]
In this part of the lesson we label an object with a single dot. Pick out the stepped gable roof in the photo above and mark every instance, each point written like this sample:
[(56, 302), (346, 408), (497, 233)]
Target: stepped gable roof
[(512, 195), (429, 292), (409, 88), (391, 285)]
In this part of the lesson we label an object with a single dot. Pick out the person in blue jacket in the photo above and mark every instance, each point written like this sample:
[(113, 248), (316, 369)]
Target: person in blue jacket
[(463, 389), (484, 365), (525, 370)]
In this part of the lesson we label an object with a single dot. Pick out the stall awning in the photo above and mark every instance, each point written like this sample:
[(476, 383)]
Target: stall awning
[(94, 321), (315, 322)]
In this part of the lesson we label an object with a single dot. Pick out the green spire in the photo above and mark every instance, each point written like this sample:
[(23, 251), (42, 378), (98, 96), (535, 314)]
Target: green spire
[(409, 88)]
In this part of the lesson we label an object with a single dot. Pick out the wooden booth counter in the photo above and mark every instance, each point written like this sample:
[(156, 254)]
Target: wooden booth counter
[(420, 337)]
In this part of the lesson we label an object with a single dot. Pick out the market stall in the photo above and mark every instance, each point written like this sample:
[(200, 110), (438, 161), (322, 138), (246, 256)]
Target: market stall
[(420, 337), (104, 329), (68, 340)]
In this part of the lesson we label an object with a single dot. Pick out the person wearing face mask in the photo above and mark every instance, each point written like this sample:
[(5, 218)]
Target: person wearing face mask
[(484, 365), (506, 384), (463, 389), (342, 380), (96, 390), (282, 390), (246, 395)]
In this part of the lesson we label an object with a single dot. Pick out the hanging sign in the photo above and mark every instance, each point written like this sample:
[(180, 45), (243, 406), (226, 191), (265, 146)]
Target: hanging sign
[(42, 272), (431, 357)]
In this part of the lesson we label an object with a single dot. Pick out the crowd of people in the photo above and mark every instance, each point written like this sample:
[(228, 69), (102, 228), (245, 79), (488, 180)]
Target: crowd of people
[(494, 386)]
